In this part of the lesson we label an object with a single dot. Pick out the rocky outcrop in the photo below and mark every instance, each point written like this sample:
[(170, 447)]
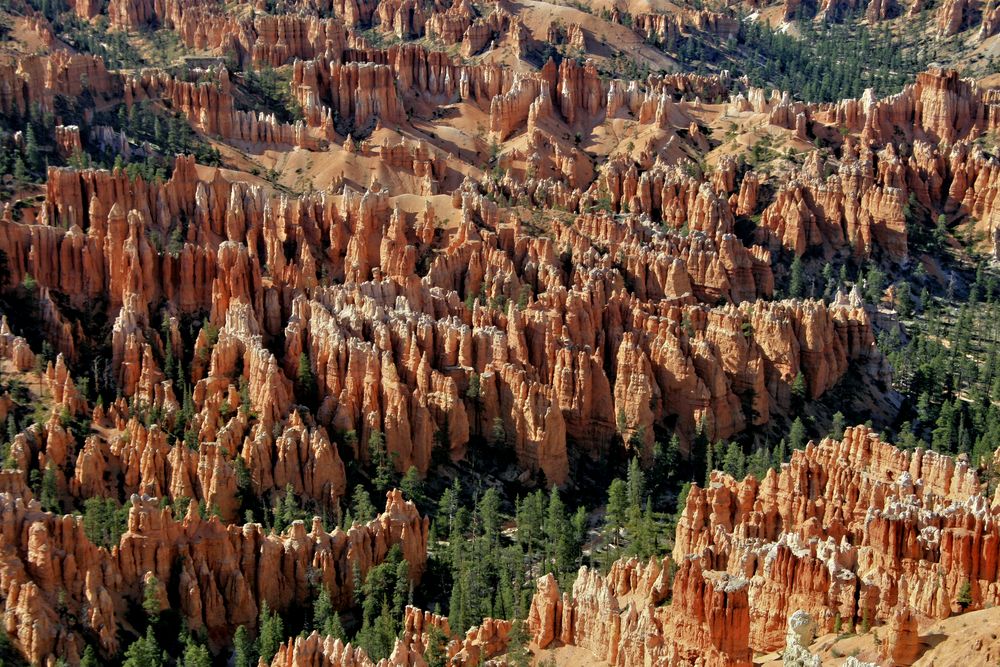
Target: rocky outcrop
[(903, 646), (30, 81), (938, 106), (543, 285), (547, 384), (478, 644), (68, 140), (801, 632), (879, 523), (851, 530), (210, 108), (952, 16), (620, 619), (357, 94), (256, 38), (666, 27), (219, 574), (880, 10)]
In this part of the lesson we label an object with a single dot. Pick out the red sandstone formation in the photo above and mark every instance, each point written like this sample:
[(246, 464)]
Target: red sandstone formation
[(902, 646), (873, 531), (666, 27), (209, 107), (880, 10), (855, 529), (701, 361), (952, 16), (549, 393), (477, 645), (851, 211), (225, 573), (620, 618), (627, 303), (360, 92), (34, 80), (860, 202), (260, 39), (68, 140), (939, 105)]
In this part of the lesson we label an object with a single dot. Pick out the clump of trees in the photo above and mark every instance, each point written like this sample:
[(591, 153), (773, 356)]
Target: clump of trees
[(828, 61), (270, 91)]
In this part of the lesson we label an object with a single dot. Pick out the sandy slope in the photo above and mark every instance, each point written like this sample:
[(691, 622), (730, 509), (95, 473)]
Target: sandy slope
[(968, 640), (603, 38)]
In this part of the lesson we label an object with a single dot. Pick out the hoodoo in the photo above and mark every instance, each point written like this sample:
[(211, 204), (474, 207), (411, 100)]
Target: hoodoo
[(666, 333)]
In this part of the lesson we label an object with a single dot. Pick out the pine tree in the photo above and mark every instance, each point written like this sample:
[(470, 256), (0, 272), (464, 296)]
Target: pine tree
[(796, 282), (402, 593), (636, 483), (89, 658), (284, 510), (357, 586), (272, 632), (734, 462), (780, 454), (361, 505), (20, 170), (622, 421), (964, 598), (518, 654), (305, 382), (31, 151), (799, 393), (498, 434), (489, 514), (151, 599), (797, 434), (646, 536), (49, 496), (555, 522), (579, 531), (666, 458), (334, 628), (529, 521), (472, 393), (837, 426), (412, 486), (196, 655), (144, 652), (709, 463), (243, 649), (290, 506), (828, 279), (243, 489), (322, 609), (379, 456), (874, 284), (904, 299), (448, 505), (681, 502), (924, 408), (457, 614), (435, 653), (617, 508), (759, 461)]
